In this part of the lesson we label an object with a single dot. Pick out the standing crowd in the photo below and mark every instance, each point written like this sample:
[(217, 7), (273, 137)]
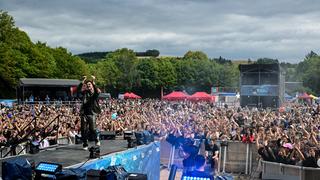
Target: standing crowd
[(291, 136)]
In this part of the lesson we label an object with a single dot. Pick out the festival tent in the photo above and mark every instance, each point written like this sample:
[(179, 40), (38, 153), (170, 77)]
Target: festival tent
[(313, 96), (201, 96), (287, 96), (131, 96), (304, 96), (176, 95)]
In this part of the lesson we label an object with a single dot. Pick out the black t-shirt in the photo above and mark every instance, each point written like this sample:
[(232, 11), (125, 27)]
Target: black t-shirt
[(188, 162), (310, 162)]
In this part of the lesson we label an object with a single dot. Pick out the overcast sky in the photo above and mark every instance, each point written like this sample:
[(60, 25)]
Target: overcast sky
[(234, 29)]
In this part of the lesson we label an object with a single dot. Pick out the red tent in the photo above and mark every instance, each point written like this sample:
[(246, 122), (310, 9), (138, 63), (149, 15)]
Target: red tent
[(131, 96), (176, 95), (304, 96), (201, 96)]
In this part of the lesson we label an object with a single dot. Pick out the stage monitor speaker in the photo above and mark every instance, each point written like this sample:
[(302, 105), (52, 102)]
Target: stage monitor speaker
[(107, 135), (94, 152), (136, 176), (132, 142), (139, 137), (72, 174), (116, 172), (127, 135), (93, 174), (18, 168)]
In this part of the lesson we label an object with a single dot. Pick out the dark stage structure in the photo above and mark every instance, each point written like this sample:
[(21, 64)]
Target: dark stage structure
[(261, 85), (39, 88)]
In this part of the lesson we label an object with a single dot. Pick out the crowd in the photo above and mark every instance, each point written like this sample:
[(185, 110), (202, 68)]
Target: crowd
[(288, 136)]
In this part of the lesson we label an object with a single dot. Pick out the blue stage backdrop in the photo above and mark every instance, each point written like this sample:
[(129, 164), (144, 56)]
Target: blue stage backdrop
[(142, 159)]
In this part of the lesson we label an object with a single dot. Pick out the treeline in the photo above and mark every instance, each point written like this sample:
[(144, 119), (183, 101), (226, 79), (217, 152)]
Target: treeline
[(20, 57), (94, 57), (122, 70)]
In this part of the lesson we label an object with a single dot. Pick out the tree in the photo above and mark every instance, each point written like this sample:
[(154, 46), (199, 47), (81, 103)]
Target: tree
[(311, 55), (195, 55), (153, 53), (267, 61), (107, 73), (147, 74), (124, 59), (309, 71)]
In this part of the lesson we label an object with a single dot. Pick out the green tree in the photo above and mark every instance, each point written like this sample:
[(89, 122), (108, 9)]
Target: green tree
[(309, 70), (147, 73), (125, 60), (267, 61), (167, 76), (195, 55), (107, 74)]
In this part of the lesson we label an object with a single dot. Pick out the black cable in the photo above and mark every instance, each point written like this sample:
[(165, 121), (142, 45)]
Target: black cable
[(82, 164)]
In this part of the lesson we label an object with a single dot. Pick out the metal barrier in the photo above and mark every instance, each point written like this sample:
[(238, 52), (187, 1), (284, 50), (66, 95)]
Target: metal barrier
[(271, 170), (236, 157)]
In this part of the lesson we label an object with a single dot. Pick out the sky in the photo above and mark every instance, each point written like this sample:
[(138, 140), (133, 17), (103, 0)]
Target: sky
[(234, 29)]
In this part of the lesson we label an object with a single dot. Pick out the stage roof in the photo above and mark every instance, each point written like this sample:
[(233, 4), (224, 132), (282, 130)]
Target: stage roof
[(28, 82)]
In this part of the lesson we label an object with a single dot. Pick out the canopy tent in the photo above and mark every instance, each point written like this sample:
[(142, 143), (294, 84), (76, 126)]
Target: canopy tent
[(128, 95), (227, 94), (287, 96), (313, 96), (201, 96), (304, 96), (176, 95)]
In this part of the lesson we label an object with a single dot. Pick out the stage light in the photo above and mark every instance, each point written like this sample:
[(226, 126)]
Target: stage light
[(47, 170), (195, 178)]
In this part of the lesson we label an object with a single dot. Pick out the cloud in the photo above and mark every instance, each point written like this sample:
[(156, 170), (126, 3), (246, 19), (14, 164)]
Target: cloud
[(286, 29)]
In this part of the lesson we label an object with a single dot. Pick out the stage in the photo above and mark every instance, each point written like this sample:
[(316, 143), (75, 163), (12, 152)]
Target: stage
[(69, 155)]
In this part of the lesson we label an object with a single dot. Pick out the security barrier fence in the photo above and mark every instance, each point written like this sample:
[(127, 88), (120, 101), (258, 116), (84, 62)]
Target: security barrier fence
[(240, 158), (271, 170)]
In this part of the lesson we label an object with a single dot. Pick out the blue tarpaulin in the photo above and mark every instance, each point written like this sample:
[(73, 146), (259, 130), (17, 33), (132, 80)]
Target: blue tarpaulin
[(142, 159), (8, 102)]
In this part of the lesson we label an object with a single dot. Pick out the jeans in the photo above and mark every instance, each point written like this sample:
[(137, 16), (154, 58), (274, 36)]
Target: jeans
[(88, 128)]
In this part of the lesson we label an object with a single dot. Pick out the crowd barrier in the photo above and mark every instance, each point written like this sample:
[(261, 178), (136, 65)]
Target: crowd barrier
[(271, 170), (236, 157)]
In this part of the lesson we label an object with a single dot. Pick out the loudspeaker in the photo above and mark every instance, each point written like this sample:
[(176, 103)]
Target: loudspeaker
[(34, 147), (17, 168), (93, 174), (127, 135), (136, 176), (107, 135), (116, 172), (139, 137), (132, 142), (94, 152), (72, 174)]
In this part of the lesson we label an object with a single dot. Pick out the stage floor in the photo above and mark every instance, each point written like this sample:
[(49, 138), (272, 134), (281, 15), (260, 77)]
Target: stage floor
[(71, 154)]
